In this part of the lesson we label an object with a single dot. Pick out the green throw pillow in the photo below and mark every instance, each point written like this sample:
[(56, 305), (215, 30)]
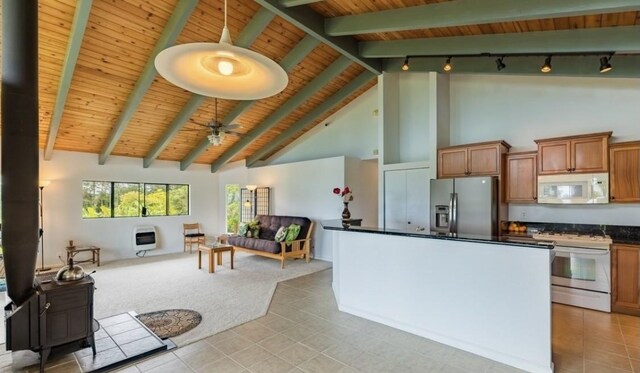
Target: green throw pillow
[(242, 229), (281, 234), (292, 232), (255, 232)]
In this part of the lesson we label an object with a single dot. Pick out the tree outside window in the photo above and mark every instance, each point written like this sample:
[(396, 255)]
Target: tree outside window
[(232, 209)]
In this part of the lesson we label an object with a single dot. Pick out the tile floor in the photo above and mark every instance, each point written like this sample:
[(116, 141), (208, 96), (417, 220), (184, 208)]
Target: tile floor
[(304, 332)]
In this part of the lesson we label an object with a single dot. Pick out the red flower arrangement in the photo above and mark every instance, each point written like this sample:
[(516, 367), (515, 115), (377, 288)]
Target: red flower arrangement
[(345, 193)]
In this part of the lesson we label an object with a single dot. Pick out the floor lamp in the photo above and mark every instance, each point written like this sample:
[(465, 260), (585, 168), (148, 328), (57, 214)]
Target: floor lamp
[(42, 184)]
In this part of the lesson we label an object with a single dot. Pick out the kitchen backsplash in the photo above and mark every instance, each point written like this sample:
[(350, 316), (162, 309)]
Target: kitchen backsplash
[(619, 233)]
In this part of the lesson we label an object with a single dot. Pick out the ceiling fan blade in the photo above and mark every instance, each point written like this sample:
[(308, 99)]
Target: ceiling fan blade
[(232, 126)]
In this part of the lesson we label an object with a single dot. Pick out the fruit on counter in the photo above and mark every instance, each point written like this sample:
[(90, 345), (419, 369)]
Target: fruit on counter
[(523, 228), (517, 227), (513, 227)]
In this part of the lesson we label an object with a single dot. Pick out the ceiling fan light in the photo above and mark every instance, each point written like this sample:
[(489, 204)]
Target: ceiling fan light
[(605, 66)]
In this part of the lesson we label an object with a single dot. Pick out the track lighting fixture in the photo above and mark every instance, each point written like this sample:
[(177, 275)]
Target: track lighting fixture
[(447, 66), (405, 65), (547, 65), (500, 64), (605, 66)]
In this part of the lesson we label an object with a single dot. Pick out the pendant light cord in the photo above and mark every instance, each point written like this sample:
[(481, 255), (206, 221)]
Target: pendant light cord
[(225, 13)]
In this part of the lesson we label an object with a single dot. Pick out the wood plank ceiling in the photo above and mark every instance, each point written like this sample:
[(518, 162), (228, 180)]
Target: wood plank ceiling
[(121, 34)]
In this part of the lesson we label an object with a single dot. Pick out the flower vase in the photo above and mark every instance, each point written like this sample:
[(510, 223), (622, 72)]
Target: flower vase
[(345, 212)]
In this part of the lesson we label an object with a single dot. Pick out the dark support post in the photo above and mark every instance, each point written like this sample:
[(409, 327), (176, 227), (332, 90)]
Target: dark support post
[(20, 145)]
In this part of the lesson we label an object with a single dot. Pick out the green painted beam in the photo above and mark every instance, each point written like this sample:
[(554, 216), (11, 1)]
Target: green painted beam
[(80, 18), (624, 66), (249, 34), (346, 91), (623, 39), (169, 35), (312, 23), (176, 125), (298, 99), (297, 54), (470, 12), (290, 3)]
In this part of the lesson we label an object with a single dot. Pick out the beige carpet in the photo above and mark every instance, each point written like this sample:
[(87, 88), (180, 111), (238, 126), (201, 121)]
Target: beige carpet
[(225, 299)]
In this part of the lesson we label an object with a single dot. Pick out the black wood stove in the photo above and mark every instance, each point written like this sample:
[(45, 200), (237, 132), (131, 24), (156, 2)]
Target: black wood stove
[(58, 314)]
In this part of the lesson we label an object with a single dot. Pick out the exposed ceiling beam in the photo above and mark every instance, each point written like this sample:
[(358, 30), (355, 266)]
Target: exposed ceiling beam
[(312, 23), (254, 28), (328, 104), (623, 39), (298, 99), (297, 54), (169, 35), (470, 12), (80, 18), (290, 3), (623, 65)]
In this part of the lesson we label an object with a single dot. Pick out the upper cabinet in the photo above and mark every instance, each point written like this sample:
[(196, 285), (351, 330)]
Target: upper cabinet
[(482, 159), (522, 177), (624, 172), (583, 153)]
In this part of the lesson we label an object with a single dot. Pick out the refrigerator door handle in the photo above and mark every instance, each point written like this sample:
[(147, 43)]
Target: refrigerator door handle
[(454, 213), (450, 215)]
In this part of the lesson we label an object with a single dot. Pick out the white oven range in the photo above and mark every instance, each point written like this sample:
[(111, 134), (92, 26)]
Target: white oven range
[(581, 269)]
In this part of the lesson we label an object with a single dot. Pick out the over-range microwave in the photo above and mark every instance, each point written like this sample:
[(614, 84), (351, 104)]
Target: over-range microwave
[(574, 188)]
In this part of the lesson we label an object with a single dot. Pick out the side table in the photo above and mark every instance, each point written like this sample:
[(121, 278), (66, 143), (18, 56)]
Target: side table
[(95, 254), (214, 249)]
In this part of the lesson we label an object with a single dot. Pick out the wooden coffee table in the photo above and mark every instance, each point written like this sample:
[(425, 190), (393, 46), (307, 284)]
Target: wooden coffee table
[(214, 249)]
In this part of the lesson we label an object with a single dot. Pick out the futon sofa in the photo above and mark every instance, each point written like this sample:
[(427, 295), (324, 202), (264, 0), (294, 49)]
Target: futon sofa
[(266, 245)]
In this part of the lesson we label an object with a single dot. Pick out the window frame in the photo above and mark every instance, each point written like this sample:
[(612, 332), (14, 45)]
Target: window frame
[(142, 195)]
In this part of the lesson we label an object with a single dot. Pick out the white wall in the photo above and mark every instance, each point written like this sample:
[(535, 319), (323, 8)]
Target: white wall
[(519, 109), (63, 204), (352, 132), (362, 178)]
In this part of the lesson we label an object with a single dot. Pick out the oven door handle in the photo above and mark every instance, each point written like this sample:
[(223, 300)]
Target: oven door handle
[(594, 252)]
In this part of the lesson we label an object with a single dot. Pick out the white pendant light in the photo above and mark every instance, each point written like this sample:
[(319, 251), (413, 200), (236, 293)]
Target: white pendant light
[(221, 69)]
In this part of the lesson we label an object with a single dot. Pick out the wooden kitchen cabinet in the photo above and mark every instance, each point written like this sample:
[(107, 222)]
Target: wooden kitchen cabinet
[(625, 276), (522, 177), (583, 153), (624, 172), (481, 159)]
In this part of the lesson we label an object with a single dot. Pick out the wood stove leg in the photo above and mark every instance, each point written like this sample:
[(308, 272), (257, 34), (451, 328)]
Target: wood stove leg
[(92, 340), (44, 355)]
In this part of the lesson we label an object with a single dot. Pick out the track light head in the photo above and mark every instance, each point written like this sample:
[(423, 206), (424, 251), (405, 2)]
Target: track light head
[(405, 65), (500, 64), (447, 65), (605, 66), (547, 65)]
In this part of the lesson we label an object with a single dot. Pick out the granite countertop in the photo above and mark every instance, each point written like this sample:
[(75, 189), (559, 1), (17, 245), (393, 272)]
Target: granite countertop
[(336, 225)]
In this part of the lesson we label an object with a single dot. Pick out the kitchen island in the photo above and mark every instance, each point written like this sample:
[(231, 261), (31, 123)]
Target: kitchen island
[(479, 294)]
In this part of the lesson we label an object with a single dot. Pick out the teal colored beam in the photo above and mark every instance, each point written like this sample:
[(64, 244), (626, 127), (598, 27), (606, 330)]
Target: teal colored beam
[(470, 12), (624, 66), (328, 104), (176, 125), (290, 3), (80, 19), (298, 99), (169, 35), (297, 54), (312, 23), (249, 34), (623, 39)]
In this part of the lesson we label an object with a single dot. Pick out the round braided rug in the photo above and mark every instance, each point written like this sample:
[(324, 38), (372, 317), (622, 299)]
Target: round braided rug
[(170, 323)]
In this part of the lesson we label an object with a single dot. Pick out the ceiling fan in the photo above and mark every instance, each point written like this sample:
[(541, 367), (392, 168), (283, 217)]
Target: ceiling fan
[(218, 129)]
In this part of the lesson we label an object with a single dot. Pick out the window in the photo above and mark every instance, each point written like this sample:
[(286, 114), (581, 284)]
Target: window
[(126, 199), (232, 209), (96, 199), (155, 199), (108, 199)]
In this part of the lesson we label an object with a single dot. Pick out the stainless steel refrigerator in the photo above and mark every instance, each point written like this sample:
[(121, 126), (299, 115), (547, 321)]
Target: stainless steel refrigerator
[(466, 205)]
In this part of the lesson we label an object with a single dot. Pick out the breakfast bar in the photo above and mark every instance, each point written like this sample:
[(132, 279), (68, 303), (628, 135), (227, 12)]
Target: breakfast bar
[(479, 294)]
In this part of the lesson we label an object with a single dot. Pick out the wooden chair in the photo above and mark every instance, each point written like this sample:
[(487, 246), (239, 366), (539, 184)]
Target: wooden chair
[(192, 235)]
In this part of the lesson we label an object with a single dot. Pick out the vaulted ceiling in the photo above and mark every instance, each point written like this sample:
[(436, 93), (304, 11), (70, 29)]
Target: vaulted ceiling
[(99, 91)]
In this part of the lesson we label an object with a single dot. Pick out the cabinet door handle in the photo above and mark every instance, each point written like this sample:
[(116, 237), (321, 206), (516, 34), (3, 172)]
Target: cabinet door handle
[(569, 169), (612, 197), (535, 198)]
